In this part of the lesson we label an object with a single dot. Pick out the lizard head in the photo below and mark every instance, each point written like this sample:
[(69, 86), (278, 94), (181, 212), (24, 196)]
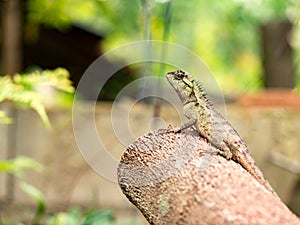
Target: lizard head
[(183, 84)]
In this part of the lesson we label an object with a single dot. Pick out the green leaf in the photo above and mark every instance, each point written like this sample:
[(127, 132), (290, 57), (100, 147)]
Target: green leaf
[(73, 217), (33, 192), (18, 165), (57, 78), (99, 218), (38, 197), (63, 218), (26, 89)]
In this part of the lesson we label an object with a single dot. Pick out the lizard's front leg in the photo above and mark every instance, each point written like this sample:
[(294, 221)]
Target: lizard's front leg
[(184, 126)]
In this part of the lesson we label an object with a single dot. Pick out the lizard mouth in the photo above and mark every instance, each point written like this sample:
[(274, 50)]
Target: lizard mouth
[(181, 75)]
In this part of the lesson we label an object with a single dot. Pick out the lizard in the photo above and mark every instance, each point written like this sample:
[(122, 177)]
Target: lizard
[(211, 125)]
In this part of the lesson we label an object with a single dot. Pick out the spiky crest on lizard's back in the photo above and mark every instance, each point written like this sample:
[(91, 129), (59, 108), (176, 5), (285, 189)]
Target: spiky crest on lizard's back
[(200, 93)]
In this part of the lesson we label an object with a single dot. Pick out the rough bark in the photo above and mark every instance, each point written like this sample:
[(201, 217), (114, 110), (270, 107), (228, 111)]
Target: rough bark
[(179, 179)]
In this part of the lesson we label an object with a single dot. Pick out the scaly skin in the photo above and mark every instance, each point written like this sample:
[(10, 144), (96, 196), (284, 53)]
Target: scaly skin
[(212, 125)]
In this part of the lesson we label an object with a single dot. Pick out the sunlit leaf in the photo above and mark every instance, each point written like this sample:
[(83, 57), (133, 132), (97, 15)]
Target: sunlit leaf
[(35, 194), (26, 89), (18, 165)]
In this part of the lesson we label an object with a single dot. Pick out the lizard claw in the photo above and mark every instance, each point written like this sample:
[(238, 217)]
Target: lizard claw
[(170, 127), (177, 130), (173, 129)]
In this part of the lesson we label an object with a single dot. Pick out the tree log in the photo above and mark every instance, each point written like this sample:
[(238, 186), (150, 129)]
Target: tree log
[(178, 178)]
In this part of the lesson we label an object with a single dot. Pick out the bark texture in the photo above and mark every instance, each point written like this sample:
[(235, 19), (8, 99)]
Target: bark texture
[(180, 179)]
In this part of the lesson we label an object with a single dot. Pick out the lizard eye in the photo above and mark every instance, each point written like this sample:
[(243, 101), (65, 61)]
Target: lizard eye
[(177, 77), (179, 74)]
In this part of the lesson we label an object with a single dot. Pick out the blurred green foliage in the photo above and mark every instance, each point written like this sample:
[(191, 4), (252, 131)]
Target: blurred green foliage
[(93, 217), (29, 90), (36, 89), (225, 34), (76, 217), (19, 165), (36, 195), (26, 89), (73, 217)]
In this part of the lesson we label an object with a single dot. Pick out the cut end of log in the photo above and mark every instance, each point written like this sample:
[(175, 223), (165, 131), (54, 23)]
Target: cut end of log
[(177, 178)]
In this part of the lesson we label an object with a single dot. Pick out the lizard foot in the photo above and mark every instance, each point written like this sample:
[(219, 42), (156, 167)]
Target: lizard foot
[(174, 129), (226, 153)]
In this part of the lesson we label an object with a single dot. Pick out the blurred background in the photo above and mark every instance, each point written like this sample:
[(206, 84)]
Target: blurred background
[(251, 47)]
